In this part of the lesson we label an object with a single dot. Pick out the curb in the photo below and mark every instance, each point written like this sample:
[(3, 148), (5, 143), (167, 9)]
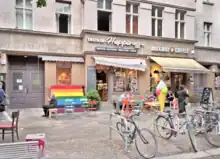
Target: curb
[(197, 155)]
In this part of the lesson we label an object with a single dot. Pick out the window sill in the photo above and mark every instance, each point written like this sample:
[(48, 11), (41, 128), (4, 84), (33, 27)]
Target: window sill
[(208, 3)]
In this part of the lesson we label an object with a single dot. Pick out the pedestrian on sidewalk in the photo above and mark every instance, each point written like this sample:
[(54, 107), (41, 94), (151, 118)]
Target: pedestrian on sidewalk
[(183, 93)]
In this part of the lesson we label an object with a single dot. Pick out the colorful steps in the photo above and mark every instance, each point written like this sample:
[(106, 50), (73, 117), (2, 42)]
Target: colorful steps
[(68, 95)]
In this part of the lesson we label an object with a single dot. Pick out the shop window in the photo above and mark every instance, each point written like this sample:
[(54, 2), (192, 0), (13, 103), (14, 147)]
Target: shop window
[(104, 15), (125, 80), (64, 73)]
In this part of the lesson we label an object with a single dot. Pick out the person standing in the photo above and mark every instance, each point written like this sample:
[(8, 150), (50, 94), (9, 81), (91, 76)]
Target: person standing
[(183, 93)]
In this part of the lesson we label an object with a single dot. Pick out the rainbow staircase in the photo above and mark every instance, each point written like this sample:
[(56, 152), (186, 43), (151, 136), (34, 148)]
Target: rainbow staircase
[(69, 95)]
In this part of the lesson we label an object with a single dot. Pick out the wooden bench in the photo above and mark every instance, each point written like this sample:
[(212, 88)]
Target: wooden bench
[(20, 150), (52, 111)]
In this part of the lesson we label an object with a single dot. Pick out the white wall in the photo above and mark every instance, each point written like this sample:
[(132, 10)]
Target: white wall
[(144, 21), (119, 16), (169, 22)]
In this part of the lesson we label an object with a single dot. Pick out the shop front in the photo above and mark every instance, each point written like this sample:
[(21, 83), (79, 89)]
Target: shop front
[(209, 58), (176, 71), (114, 75), (116, 63)]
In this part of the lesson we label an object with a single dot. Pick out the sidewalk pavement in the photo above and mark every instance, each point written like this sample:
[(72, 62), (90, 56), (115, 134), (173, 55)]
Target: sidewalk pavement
[(208, 154), (86, 136)]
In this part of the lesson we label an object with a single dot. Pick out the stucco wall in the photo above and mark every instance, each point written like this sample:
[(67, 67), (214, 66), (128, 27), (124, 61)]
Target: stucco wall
[(39, 43), (78, 74)]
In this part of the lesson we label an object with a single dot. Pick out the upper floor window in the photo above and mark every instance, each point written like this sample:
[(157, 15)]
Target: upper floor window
[(24, 16), (179, 24), (63, 17), (207, 33), (104, 15), (157, 20), (105, 4), (132, 18)]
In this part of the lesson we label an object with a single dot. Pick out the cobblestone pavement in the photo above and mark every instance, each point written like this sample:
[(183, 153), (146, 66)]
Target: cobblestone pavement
[(86, 136)]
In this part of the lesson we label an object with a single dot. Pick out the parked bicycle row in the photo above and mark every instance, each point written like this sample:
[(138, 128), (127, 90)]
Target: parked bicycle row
[(201, 122)]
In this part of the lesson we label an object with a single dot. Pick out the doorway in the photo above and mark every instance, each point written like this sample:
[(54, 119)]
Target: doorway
[(178, 79), (26, 82), (102, 85)]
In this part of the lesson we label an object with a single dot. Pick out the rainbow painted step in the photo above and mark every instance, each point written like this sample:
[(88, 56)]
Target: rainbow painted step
[(68, 95)]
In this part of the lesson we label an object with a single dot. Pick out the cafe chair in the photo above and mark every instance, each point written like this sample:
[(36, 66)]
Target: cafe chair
[(12, 127)]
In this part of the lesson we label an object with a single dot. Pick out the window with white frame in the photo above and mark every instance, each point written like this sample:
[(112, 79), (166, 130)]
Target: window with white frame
[(179, 24), (207, 33), (63, 17), (132, 18), (157, 20), (24, 14), (104, 15)]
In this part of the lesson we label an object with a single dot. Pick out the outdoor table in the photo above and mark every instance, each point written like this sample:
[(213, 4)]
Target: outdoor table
[(37, 137), (152, 104)]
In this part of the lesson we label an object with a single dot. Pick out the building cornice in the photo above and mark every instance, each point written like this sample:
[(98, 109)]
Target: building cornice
[(31, 32), (166, 5), (145, 37), (207, 48)]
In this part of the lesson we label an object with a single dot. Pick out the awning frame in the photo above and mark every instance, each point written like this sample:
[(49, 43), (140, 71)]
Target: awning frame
[(61, 59), (198, 68), (136, 64)]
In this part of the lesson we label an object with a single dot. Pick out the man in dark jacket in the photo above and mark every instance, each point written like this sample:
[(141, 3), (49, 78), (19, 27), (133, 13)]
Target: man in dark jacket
[(52, 104), (182, 95)]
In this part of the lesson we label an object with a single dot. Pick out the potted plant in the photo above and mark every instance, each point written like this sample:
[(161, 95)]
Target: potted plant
[(93, 98)]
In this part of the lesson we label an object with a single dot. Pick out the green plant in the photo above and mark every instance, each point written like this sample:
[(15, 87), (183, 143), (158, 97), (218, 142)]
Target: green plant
[(93, 95)]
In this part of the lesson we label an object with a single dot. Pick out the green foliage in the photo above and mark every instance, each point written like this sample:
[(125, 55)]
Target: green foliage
[(93, 95), (41, 3)]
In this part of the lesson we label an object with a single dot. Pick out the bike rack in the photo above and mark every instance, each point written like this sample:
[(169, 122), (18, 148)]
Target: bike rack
[(111, 127)]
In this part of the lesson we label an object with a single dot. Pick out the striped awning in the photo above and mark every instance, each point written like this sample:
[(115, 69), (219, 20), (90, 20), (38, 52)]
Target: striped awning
[(180, 65), (62, 59), (137, 64)]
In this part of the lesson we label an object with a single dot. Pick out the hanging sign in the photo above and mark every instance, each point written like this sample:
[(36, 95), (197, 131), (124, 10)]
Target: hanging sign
[(170, 49)]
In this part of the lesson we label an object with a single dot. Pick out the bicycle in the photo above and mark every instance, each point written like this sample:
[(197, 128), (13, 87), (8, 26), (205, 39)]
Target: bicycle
[(136, 133), (173, 128)]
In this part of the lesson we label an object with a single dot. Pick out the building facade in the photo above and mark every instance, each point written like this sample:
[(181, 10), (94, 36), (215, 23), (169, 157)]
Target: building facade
[(118, 45), (207, 48)]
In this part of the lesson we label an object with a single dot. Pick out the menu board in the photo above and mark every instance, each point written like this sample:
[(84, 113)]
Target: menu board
[(207, 96), (91, 77)]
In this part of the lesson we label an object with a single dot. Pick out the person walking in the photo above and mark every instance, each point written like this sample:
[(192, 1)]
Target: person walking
[(183, 93)]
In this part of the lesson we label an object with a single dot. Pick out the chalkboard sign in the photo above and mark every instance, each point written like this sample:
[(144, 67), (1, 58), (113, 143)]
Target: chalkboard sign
[(91, 77), (207, 96)]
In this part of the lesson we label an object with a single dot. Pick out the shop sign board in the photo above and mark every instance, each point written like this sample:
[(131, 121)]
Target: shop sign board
[(115, 42), (109, 49), (170, 49)]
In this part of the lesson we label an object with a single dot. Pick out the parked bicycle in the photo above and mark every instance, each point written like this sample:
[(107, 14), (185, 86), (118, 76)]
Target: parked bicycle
[(141, 136), (207, 121), (170, 124)]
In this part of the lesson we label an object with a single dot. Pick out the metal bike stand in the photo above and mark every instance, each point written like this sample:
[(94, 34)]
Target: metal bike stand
[(111, 127)]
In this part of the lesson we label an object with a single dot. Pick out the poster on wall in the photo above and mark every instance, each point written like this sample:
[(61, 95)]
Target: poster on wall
[(91, 77), (63, 76)]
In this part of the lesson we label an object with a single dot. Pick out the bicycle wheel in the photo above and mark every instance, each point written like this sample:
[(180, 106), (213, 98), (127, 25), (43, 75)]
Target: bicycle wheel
[(197, 120), (163, 126), (212, 134), (192, 136), (121, 128), (148, 139)]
